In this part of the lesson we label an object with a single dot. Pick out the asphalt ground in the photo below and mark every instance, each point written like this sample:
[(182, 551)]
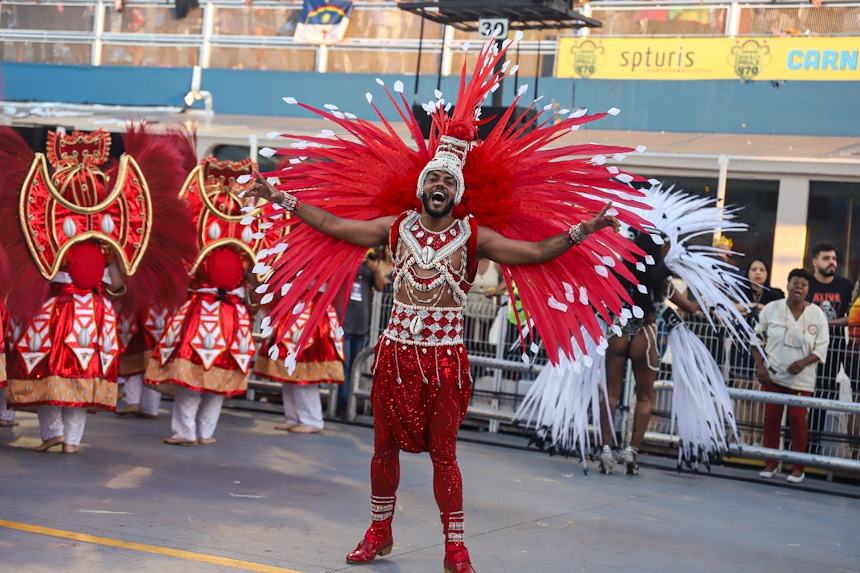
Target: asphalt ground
[(266, 500)]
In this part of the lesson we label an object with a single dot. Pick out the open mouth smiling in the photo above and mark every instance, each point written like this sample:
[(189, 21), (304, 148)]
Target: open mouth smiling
[(438, 198)]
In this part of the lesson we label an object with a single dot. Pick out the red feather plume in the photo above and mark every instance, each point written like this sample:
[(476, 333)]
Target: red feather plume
[(516, 184), (24, 290), (165, 159)]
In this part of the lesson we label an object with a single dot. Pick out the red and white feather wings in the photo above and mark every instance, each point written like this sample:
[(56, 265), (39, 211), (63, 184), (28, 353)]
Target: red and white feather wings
[(517, 183)]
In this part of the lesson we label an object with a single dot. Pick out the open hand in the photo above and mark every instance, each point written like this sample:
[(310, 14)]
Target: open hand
[(600, 221), (263, 189)]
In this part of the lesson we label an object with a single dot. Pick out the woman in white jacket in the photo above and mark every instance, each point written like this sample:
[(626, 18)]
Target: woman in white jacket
[(795, 337)]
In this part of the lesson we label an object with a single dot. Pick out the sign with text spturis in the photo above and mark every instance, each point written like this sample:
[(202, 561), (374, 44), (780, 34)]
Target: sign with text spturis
[(763, 58)]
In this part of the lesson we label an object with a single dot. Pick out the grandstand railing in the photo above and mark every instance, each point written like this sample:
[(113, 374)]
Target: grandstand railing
[(501, 380), (380, 38)]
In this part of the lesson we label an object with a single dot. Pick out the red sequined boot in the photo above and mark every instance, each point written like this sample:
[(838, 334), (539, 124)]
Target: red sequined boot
[(456, 554), (378, 540)]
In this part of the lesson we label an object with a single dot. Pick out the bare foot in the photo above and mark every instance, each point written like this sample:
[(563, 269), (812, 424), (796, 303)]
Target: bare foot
[(8, 423), (70, 449), (285, 427), (50, 443), (206, 441), (300, 429)]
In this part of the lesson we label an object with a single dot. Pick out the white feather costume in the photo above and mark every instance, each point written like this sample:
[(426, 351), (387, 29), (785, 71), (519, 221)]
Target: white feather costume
[(563, 396), (701, 407)]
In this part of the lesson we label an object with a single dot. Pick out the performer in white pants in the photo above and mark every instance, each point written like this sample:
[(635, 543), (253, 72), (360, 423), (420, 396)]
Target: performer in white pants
[(204, 354), (139, 333), (7, 416), (302, 409), (195, 415), (57, 422), (321, 362), (146, 399)]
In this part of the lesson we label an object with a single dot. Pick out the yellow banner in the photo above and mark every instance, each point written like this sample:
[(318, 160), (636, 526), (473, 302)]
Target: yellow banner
[(773, 58)]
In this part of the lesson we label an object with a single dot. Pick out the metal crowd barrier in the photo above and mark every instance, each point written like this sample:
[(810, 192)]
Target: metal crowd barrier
[(501, 383)]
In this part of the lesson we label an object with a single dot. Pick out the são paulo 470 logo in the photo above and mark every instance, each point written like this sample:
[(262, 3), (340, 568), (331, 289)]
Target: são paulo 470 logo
[(586, 57), (749, 57)]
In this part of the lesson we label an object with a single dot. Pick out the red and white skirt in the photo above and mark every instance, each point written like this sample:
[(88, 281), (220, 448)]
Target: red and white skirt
[(66, 355), (320, 362), (206, 346)]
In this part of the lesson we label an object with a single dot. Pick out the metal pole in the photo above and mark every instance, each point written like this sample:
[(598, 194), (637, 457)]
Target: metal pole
[(98, 31), (848, 216), (497, 95), (733, 19), (322, 58), (784, 399), (497, 372), (254, 145), (439, 72), (584, 31), (721, 192), (418, 65), (205, 51), (447, 39), (537, 68), (769, 454), (517, 74)]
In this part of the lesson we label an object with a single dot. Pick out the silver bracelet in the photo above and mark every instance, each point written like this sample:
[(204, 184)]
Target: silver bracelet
[(290, 203), (576, 234)]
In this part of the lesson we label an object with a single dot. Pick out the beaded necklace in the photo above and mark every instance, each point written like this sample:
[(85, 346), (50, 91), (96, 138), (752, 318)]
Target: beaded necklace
[(431, 250)]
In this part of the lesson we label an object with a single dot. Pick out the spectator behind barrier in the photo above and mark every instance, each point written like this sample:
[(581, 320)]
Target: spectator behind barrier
[(795, 337), (742, 370), (832, 294)]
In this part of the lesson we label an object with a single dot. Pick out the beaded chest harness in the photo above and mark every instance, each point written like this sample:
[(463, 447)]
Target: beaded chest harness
[(429, 250)]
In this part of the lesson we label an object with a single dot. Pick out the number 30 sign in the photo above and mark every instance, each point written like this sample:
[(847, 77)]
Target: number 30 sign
[(493, 28)]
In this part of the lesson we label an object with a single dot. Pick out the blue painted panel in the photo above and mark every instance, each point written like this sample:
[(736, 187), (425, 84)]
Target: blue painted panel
[(255, 92), (724, 106), (719, 106), (109, 85)]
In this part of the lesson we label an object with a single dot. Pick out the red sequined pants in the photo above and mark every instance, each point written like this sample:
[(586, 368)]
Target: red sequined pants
[(419, 397)]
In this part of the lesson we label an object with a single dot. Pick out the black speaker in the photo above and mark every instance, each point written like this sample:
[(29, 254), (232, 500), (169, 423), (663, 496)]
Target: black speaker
[(488, 111)]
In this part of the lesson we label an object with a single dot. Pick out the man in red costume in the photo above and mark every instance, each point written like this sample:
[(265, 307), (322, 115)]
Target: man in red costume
[(421, 376)]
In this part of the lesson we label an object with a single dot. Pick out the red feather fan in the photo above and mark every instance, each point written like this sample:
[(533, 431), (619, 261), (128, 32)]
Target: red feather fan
[(165, 159), (515, 184)]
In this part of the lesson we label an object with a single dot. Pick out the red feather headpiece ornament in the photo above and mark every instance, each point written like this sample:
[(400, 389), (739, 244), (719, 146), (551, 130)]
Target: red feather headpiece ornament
[(516, 184)]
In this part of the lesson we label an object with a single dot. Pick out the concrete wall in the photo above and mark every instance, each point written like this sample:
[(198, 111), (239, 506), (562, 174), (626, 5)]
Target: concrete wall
[(719, 106)]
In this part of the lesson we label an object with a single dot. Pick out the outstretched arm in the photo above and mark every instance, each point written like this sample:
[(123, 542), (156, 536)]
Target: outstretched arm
[(504, 251), (363, 233)]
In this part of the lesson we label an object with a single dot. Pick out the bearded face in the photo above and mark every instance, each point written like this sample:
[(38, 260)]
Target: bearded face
[(440, 189)]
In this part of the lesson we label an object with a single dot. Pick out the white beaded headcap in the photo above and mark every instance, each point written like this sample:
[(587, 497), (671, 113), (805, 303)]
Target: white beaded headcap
[(450, 158)]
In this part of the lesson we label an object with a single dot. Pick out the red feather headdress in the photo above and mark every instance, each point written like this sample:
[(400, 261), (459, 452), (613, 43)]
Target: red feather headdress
[(515, 184)]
